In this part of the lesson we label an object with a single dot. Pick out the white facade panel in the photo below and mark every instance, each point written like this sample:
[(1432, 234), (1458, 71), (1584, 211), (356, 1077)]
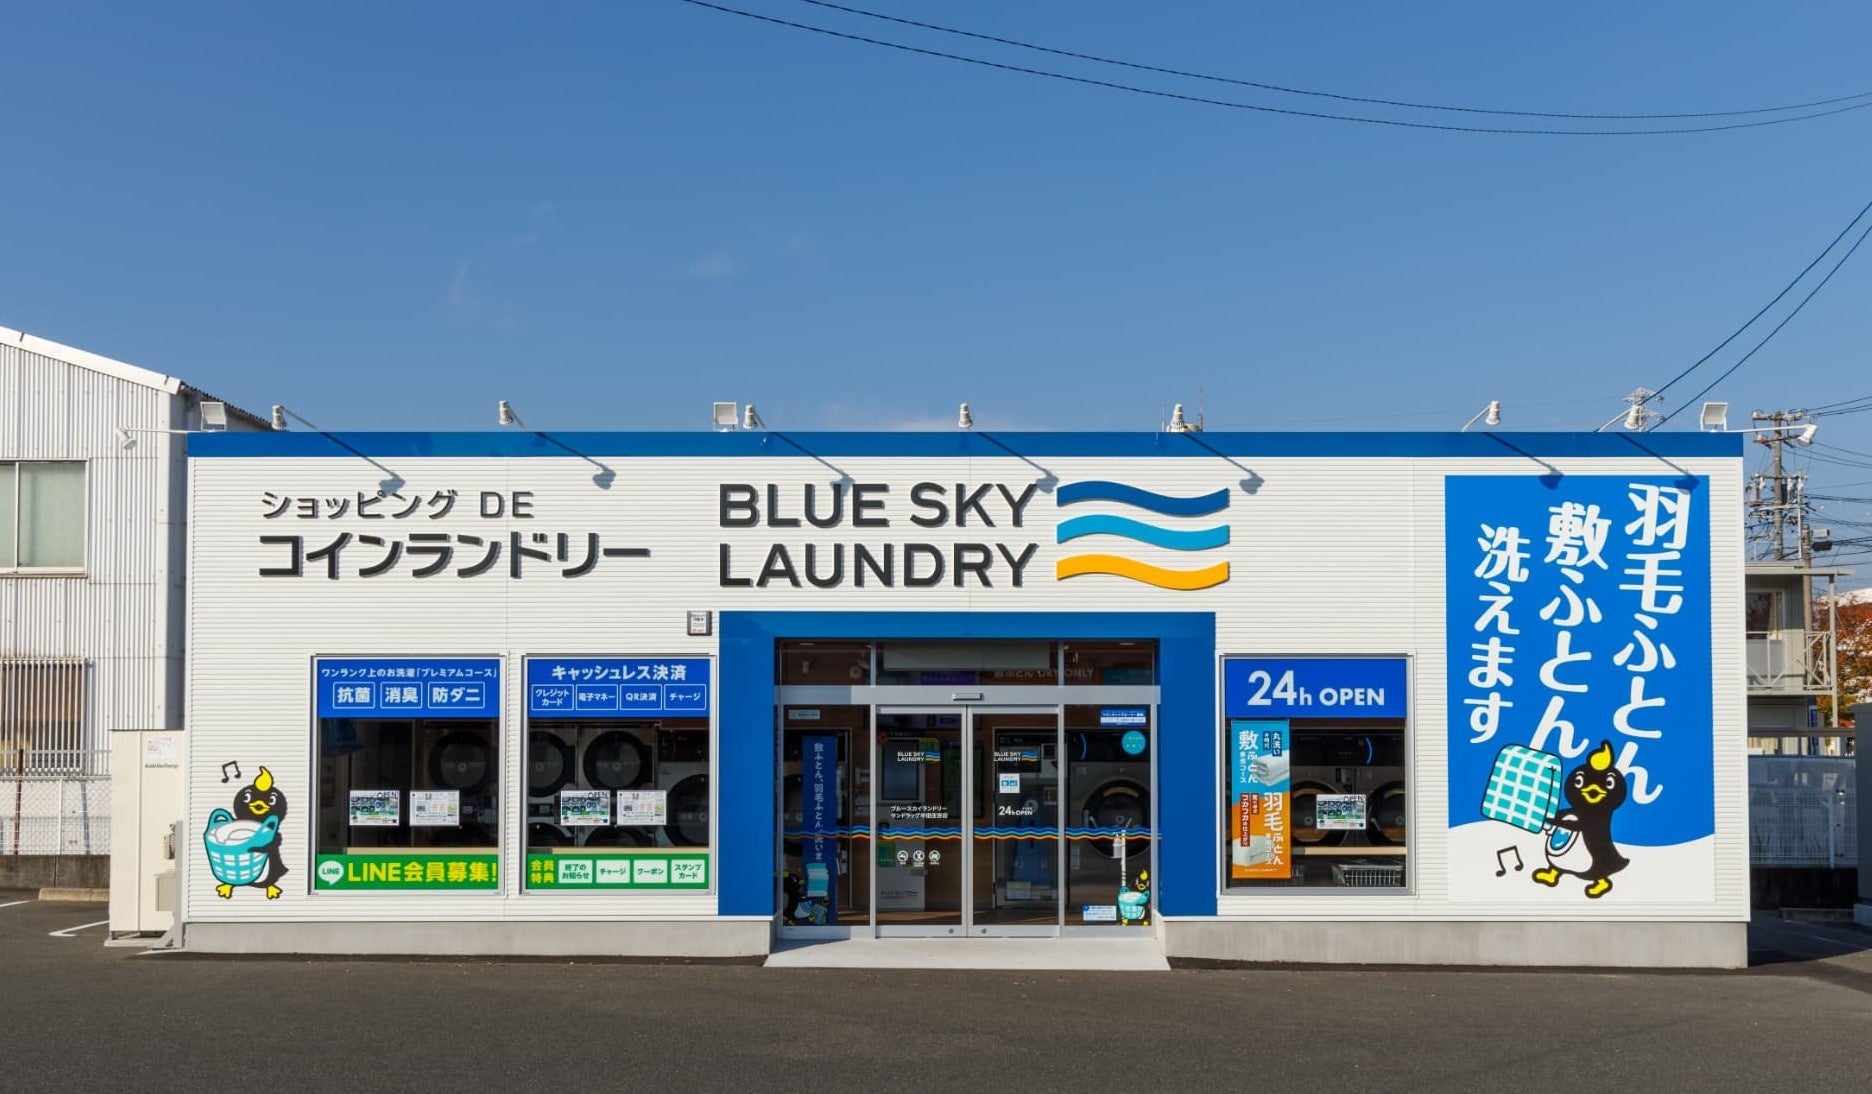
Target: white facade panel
[(1341, 557)]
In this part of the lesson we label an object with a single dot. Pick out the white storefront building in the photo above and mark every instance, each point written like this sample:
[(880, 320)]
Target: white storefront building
[(1454, 698)]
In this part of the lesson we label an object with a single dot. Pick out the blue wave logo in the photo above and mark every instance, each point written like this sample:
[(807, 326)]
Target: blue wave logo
[(1173, 539)]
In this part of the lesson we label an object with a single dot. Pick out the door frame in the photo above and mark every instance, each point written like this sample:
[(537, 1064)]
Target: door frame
[(966, 805), (940, 699)]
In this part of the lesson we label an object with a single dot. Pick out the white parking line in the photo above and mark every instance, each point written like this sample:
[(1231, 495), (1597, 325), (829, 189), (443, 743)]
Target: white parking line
[(15, 903), (69, 931)]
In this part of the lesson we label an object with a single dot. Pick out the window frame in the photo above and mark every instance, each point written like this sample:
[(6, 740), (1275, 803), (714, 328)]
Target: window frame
[(12, 529)]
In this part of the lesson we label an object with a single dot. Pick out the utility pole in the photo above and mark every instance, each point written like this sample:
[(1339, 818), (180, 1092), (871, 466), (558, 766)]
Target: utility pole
[(1778, 497)]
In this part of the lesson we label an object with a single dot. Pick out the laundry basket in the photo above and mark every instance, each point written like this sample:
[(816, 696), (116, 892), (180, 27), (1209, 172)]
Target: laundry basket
[(237, 848)]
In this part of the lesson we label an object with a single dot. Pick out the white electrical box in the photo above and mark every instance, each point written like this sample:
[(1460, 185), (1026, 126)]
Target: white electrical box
[(146, 835)]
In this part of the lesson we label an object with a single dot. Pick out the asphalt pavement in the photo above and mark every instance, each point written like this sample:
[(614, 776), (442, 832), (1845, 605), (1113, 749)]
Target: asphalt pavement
[(75, 1016)]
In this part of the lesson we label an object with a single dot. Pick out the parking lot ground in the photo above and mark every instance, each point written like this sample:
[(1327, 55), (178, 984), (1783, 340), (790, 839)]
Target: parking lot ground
[(75, 1015)]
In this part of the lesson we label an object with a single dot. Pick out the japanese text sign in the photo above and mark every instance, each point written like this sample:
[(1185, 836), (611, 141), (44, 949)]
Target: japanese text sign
[(1260, 767), (407, 687), (611, 687), (1579, 617)]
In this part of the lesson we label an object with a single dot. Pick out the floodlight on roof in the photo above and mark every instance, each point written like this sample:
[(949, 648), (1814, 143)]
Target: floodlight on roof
[(213, 416), (1715, 418), (727, 416), (1488, 415)]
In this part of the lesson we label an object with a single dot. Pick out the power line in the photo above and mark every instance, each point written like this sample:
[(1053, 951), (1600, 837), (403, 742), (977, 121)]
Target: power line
[(1835, 405), (1261, 107), (1845, 406), (1789, 287), (1777, 327), (1186, 74)]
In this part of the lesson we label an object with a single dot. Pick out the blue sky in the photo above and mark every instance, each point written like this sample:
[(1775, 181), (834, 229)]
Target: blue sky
[(391, 216)]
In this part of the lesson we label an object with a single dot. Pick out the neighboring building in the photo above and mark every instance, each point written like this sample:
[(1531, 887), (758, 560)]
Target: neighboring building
[(92, 544), (1442, 698), (1792, 661)]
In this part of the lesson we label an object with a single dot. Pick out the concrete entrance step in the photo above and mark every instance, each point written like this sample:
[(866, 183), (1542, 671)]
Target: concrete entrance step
[(1068, 954)]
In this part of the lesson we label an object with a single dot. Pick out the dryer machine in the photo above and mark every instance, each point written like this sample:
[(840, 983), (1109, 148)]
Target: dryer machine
[(682, 771), (614, 758)]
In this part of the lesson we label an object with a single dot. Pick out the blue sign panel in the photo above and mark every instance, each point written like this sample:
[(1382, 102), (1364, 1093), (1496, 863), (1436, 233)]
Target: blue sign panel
[(1313, 687), (819, 851), (1580, 700), (405, 687), (611, 687)]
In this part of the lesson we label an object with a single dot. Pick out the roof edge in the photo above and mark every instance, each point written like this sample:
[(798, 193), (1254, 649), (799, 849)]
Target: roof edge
[(120, 370), (71, 355)]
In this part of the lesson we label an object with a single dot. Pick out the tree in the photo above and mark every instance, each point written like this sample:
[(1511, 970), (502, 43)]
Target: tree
[(1854, 642)]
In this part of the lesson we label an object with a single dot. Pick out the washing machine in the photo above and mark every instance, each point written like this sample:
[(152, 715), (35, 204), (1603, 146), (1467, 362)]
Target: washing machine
[(1111, 788), (682, 770), (612, 758), (460, 757), (551, 766), (1365, 763)]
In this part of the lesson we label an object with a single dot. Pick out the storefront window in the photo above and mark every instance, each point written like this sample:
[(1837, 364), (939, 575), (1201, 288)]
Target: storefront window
[(825, 664), (408, 773), (1109, 832), (1111, 663), (952, 664), (1316, 780), (1346, 815), (618, 773)]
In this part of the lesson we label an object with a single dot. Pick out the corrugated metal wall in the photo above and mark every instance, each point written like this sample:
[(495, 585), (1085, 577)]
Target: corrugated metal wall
[(123, 613)]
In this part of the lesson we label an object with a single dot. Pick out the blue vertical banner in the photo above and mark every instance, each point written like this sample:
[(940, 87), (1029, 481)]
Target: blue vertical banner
[(819, 850), (1581, 756), (1260, 769)]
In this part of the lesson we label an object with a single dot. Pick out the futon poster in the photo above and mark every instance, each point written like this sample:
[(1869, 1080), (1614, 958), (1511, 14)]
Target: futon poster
[(1581, 762), (1261, 837)]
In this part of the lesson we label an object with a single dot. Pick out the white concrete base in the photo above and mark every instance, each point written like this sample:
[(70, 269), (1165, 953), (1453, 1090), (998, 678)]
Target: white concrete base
[(1576, 945), (477, 938), (1072, 954)]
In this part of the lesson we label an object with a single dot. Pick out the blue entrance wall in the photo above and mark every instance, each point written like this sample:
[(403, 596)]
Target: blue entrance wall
[(1188, 790)]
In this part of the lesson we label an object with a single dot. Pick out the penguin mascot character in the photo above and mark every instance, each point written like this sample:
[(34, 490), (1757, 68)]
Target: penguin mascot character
[(258, 801), (1581, 841)]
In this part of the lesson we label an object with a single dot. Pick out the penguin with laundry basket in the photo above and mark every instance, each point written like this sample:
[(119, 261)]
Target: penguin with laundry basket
[(243, 845)]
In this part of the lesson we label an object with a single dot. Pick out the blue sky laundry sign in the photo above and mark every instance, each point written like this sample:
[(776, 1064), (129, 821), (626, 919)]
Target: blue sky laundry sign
[(404, 687), (611, 687), (1580, 696)]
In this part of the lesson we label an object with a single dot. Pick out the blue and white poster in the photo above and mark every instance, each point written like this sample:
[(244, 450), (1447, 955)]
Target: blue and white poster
[(1581, 759), (612, 687), (407, 687), (819, 850)]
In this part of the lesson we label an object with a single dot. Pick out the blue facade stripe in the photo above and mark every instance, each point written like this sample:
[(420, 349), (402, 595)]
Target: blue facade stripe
[(1033, 446), (1188, 786), (1194, 539), (1125, 494)]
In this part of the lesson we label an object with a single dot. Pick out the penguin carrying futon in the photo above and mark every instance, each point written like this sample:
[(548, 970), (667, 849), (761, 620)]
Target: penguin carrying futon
[(1581, 841)]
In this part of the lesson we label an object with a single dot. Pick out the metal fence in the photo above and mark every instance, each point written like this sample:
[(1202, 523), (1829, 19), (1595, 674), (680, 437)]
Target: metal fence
[(1802, 811), (55, 804)]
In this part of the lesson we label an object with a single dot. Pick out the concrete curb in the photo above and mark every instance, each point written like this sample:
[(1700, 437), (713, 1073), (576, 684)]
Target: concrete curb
[(75, 896)]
